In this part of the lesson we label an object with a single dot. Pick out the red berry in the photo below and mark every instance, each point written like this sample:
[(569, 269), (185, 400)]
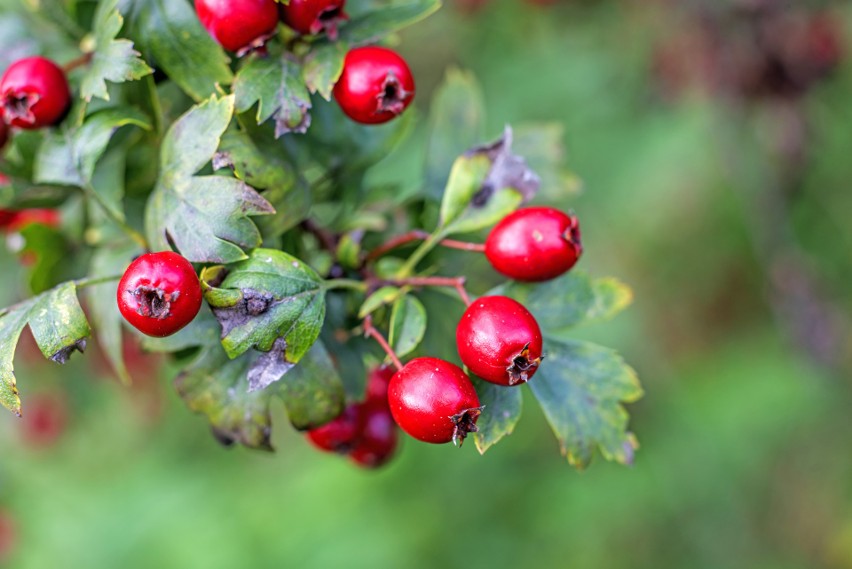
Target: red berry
[(311, 17), (378, 440), (341, 434), (238, 25), (24, 217), (4, 135), (534, 244), (499, 340), (34, 93), (434, 401), (159, 293), (377, 384), (376, 85)]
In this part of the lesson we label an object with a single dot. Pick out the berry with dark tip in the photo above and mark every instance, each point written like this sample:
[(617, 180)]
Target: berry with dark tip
[(34, 93), (312, 17), (239, 25), (376, 85)]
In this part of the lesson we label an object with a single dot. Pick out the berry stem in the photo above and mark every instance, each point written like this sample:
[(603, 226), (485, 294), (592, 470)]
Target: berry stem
[(351, 284), (84, 59), (457, 283), (371, 332), (420, 235)]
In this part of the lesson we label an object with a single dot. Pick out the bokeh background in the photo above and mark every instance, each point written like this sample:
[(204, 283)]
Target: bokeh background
[(714, 142)]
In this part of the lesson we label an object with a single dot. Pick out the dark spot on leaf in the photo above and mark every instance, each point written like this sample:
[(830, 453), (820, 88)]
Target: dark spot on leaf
[(269, 367), (507, 170), (62, 356), (222, 437), (252, 304), (480, 198), (222, 160)]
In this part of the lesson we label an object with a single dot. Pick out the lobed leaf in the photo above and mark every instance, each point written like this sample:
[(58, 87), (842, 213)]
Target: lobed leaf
[(58, 324), (271, 296), (112, 60), (501, 412), (582, 388), (276, 85), (323, 66), (206, 217)]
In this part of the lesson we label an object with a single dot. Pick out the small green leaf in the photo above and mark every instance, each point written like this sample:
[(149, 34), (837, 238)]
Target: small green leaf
[(407, 325), (108, 261), (456, 123), (502, 410), (323, 66), (270, 295), (69, 157), (277, 86), (570, 300), (206, 217), (113, 60), (387, 19), (171, 32), (382, 297), (485, 184), (582, 388), (58, 324)]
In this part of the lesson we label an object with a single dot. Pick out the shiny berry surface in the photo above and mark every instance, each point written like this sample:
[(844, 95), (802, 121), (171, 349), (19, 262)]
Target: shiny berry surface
[(159, 293), (376, 85), (377, 384), (434, 401), (534, 244), (34, 93), (341, 434), (238, 25), (311, 17), (499, 340), (379, 436)]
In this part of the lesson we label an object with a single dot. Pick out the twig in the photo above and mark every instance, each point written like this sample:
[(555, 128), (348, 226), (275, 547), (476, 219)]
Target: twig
[(84, 59), (420, 235), (457, 283), (371, 332)]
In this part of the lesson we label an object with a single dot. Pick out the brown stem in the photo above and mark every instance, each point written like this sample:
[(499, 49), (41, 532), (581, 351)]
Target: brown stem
[(84, 59), (371, 332), (326, 238), (457, 283), (420, 235)]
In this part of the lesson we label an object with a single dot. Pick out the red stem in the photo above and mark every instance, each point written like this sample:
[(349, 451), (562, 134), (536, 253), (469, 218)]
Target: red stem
[(457, 283), (84, 59), (371, 332), (420, 235)]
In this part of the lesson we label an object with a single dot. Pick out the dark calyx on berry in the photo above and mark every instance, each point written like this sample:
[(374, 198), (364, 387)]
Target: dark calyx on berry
[(521, 368), (18, 106), (328, 20), (154, 302), (572, 234), (393, 96), (465, 422)]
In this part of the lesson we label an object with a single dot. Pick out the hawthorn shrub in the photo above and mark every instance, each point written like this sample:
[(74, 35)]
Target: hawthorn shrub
[(320, 214)]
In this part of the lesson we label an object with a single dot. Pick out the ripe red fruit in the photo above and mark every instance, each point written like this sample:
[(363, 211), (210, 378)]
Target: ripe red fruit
[(341, 434), (434, 401), (378, 437), (534, 244), (377, 384), (499, 340), (238, 25), (159, 293), (311, 17), (376, 85), (34, 93), (13, 221)]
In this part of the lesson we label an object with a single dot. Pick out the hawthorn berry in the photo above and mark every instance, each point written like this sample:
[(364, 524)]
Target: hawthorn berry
[(311, 17), (434, 401), (377, 384), (378, 437), (341, 434), (159, 293), (34, 93), (499, 340), (4, 132), (238, 25), (534, 244), (376, 85)]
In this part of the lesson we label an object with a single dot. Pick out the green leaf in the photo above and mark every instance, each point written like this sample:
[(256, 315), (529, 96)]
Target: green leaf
[(570, 300), (581, 388), (501, 412), (203, 331), (387, 19), (456, 123), (277, 86), (58, 324), (108, 261), (112, 60), (262, 168), (323, 66), (407, 325), (69, 157), (486, 184), (206, 217), (384, 296), (269, 296), (170, 30)]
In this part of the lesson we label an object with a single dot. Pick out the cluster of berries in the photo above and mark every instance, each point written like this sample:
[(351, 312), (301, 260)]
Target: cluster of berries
[(376, 84)]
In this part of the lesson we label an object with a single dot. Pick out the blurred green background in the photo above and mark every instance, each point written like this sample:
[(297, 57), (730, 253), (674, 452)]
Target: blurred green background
[(725, 209)]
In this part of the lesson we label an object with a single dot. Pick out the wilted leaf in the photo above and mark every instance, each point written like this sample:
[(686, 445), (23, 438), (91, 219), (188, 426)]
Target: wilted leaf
[(205, 216), (582, 388), (112, 60), (58, 325)]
